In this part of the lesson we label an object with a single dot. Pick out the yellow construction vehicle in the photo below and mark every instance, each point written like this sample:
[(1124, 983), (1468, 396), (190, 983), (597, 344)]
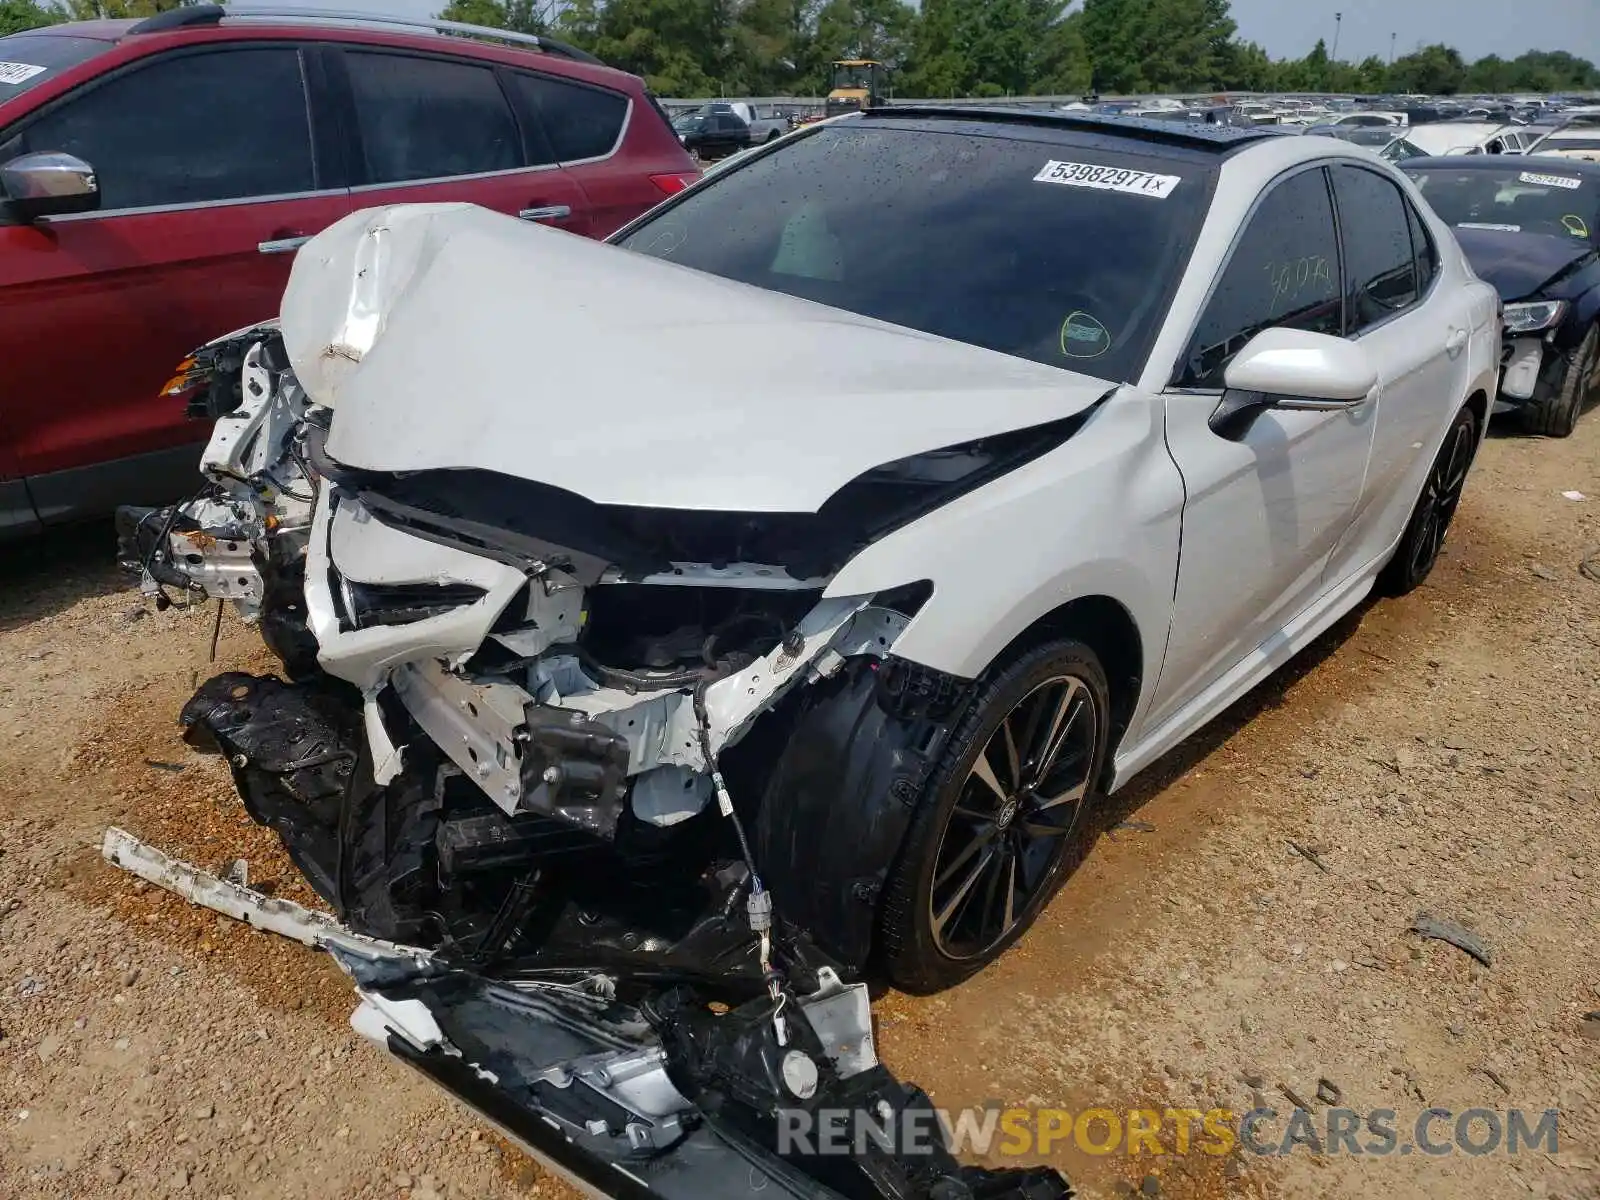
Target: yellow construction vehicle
[(857, 83)]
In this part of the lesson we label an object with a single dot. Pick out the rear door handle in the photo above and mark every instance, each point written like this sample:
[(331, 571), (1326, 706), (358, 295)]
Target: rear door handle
[(286, 245), (1455, 342), (547, 212)]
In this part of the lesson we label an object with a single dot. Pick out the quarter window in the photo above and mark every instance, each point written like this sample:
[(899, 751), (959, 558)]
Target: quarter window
[(580, 122), (1284, 272), (222, 125), (1423, 249), (1379, 267), (429, 118)]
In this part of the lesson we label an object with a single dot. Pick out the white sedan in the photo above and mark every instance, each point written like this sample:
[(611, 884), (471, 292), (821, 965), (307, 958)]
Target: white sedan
[(820, 552), (1106, 418)]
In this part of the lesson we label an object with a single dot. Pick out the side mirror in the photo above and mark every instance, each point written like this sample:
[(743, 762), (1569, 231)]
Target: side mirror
[(47, 184), (1291, 368)]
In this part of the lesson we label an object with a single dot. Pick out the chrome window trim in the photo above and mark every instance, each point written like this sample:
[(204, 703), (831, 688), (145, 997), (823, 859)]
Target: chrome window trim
[(159, 209), (436, 179)]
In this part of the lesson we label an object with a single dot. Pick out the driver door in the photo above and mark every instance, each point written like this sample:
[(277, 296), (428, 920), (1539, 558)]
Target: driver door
[(1264, 508)]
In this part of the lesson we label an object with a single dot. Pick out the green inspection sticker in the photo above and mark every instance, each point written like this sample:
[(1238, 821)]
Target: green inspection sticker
[(1082, 336)]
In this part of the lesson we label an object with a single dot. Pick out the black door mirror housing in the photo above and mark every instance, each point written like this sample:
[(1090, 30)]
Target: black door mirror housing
[(1236, 412), (48, 184)]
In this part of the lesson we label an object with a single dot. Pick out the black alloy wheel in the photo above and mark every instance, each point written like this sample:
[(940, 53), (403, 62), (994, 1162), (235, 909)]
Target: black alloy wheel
[(996, 836), (1556, 406), (1419, 549)]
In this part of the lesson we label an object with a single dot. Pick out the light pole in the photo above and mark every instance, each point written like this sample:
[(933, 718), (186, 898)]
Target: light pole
[(1338, 21), (1391, 49)]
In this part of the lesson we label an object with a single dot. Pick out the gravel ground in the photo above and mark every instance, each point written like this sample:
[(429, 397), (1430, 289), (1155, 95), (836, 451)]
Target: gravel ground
[(1435, 754)]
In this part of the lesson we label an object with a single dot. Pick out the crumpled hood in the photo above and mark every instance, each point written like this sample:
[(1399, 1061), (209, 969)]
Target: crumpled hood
[(1519, 264), (448, 336)]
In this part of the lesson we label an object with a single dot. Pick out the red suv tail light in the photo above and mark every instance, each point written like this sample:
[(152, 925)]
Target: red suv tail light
[(673, 183)]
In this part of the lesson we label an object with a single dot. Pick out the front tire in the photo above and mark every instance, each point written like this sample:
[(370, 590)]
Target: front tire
[(995, 835), (1436, 507), (1553, 412)]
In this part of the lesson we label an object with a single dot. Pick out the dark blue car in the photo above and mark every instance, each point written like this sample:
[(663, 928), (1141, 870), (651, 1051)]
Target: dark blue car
[(1531, 226)]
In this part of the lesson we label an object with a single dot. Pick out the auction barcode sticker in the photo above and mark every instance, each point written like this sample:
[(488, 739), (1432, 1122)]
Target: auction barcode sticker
[(1570, 182), (1108, 179), (15, 73)]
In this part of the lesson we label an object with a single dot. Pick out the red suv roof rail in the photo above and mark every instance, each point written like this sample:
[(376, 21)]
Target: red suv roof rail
[(181, 18), (214, 14)]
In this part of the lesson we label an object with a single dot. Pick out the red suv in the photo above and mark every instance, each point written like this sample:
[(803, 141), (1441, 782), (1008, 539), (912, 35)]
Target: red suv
[(156, 177)]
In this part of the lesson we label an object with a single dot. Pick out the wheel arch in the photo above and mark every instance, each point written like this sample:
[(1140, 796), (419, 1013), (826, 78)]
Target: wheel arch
[(1478, 402), (1587, 314), (1107, 627)]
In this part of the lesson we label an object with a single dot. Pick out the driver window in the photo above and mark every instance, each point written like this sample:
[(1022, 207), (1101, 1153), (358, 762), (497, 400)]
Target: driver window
[(192, 128), (1284, 271)]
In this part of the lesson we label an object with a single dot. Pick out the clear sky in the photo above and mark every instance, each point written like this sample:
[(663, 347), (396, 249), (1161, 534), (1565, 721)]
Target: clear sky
[(1289, 28)]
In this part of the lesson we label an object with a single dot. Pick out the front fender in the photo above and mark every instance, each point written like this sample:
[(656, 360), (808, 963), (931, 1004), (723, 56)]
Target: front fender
[(1585, 312), (1097, 516)]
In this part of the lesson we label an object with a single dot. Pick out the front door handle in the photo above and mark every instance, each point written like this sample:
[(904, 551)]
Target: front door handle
[(1455, 342), (547, 212), (284, 245)]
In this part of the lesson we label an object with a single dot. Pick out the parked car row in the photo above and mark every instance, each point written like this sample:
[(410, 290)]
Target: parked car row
[(158, 177)]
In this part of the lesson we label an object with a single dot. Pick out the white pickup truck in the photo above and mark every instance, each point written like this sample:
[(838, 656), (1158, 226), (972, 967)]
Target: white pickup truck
[(765, 125)]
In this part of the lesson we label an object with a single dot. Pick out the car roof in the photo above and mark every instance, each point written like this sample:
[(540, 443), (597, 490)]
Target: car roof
[(1151, 134), (1504, 162)]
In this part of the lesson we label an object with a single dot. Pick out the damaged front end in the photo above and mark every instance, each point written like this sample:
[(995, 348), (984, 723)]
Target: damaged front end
[(628, 818), (241, 537)]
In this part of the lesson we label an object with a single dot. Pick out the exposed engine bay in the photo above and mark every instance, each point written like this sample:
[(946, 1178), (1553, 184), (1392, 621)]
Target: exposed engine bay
[(573, 765)]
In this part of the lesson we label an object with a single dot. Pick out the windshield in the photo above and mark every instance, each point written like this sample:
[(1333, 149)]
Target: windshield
[(1529, 198), (992, 241), (1399, 150), (689, 124), (1370, 135), (1570, 143), (852, 76), (29, 59)]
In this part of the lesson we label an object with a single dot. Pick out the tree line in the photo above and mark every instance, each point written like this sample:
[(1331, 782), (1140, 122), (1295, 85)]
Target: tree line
[(947, 48)]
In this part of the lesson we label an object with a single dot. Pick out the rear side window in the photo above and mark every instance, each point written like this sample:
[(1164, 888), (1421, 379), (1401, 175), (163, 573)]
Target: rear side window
[(429, 118), (1284, 272), (220, 125), (579, 122), (1379, 264), (1422, 247), (1063, 253)]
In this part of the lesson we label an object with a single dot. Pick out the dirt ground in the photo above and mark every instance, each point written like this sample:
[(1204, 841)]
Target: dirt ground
[(1435, 754)]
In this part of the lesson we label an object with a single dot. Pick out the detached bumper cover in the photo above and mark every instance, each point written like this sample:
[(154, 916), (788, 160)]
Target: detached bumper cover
[(635, 1089)]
